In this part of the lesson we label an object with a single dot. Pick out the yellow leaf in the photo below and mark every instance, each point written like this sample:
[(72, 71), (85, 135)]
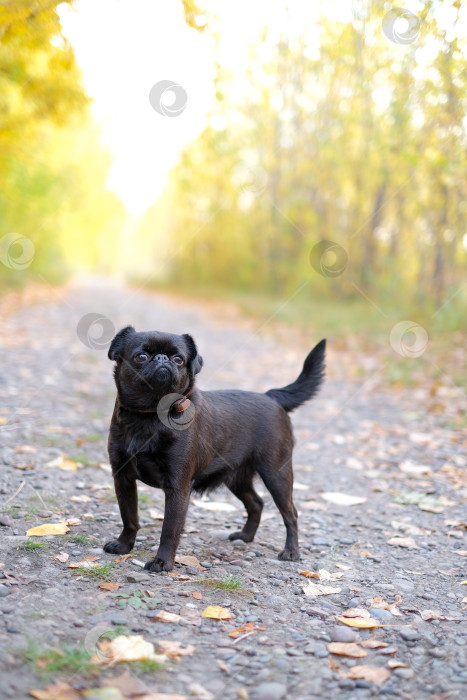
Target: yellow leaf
[(62, 557), (63, 463), (309, 574), (126, 648), (216, 612), (81, 499), (319, 589), (48, 529), (346, 649), (197, 595), (362, 623), (249, 627)]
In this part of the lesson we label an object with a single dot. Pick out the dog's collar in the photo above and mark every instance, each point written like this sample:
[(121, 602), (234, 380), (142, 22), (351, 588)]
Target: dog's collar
[(179, 406)]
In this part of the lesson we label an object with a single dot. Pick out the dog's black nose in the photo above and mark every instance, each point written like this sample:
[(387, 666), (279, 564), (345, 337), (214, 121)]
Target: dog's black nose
[(161, 358)]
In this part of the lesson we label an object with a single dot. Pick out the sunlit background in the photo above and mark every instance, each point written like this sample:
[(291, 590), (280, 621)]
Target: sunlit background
[(313, 151)]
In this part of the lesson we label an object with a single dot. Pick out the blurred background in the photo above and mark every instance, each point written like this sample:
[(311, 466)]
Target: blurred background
[(301, 159)]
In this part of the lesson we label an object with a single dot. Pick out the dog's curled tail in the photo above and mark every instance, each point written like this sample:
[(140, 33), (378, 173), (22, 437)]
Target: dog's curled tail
[(307, 383)]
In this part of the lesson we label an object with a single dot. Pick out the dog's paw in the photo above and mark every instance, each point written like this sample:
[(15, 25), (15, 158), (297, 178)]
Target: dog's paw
[(289, 555), (117, 547), (240, 535), (156, 565)]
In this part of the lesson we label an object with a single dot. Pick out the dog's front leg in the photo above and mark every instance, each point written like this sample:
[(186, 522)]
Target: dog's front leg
[(127, 497), (176, 506)]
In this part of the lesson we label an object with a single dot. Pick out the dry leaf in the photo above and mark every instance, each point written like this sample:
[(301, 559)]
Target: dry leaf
[(57, 691), (109, 585), (363, 623), (372, 674), (86, 563), (126, 648), (319, 589), (48, 529), (332, 664), (199, 692), (373, 644), (407, 542), (128, 684), (215, 506), (392, 663), (179, 577), (432, 615), (197, 595), (73, 521), (175, 649), (81, 499), (342, 499), (249, 627), (409, 467), (461, 552), (25, 448), (309, 574), (164, 616), (327, 576), (346, 649), (356, 612), (216, 612), (24, 466), (62, 557), (222, 666), (122, 557), (189, 561), (64, 463), (342, 566)]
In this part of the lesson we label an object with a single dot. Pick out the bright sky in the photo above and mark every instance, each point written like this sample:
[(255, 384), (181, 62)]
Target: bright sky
[(124, 47)]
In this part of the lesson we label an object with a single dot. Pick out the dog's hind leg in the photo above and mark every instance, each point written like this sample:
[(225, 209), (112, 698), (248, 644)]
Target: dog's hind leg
[(279, 483), (245, 492)]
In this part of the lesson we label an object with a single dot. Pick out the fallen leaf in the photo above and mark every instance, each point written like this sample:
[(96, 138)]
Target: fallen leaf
[(64, 463), (57, 691), (215, 506), (372, 674), (48, 529), (364, 553), (164, 616), (197, 595), (199, 692), (122, 557), (24, 466), (392, 663), (81, 499), (315, 589), (25, 448), (126, 648), (327, 576), (189, 561), (342, 499), (432, 615), (62, 557), (216, 612), (373, 644), (356, 612), (346, 649), (222, 666), (128, 684), (344, 567), (309, 574), (249, 627), (362, 623), (109, 585), (179, 577), (73, 521), (461, 552), (407, 542), (175, 649), (86, 563), (409, 467), (332, 664)]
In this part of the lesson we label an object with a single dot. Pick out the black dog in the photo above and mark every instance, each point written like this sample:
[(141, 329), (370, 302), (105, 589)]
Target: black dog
[(167, 433)]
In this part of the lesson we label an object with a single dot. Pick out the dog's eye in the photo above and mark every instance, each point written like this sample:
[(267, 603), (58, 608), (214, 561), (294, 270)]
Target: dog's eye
[(178, 359), (140, 357)]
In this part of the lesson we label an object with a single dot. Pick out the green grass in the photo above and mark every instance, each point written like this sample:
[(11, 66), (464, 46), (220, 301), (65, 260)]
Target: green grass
[(82, 459), (144, 499), (104, 571), (147, 665), (32, 546), (232, 584), (93, 437), (47, 663), (79, 539)]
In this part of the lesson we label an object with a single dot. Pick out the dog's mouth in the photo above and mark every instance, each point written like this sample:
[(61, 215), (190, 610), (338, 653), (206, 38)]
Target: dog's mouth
[(162, 373)]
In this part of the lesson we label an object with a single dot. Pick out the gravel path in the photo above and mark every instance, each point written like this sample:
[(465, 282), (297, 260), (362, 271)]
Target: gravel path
[(397, 558)]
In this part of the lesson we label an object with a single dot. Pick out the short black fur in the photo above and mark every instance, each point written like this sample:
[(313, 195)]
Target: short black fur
[(216, 437)]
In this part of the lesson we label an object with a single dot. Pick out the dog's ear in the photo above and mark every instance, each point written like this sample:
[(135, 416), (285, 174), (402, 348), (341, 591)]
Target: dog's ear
[(118, 343), (195, 361)]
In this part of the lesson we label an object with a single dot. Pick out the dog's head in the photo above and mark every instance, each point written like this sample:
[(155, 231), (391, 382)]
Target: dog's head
[(153, 364)]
